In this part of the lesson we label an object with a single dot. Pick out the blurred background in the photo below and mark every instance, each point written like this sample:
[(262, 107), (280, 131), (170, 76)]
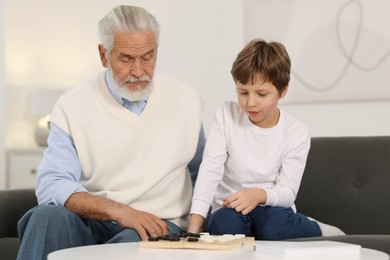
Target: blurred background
[(339, 51)]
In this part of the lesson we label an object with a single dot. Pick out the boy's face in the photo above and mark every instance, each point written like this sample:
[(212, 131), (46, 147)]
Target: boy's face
[(259, 101)]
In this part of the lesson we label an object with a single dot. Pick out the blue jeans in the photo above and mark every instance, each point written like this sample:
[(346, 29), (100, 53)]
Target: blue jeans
[(263, 223), (47, 228)]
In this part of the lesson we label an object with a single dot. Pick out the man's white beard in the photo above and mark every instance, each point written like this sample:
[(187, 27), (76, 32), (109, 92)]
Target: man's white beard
[(137, 94)]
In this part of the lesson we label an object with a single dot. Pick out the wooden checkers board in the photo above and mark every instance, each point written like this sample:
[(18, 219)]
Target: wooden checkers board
[(209, 242)]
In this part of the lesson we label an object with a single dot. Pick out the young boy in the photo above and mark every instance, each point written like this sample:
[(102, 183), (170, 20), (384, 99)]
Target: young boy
[(255, 155)]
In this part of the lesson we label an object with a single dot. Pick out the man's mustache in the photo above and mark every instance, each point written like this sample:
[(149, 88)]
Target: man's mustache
[(140, 79)]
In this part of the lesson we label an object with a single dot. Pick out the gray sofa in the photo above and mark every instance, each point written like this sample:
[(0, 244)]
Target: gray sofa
[(13, 204), (346, 184)]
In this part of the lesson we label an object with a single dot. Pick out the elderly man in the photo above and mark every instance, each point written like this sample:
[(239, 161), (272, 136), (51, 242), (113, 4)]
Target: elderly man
[(120, 150)]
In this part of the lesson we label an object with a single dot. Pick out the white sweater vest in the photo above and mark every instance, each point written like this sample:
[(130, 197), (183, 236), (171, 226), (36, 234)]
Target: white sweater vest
[(142, 160)]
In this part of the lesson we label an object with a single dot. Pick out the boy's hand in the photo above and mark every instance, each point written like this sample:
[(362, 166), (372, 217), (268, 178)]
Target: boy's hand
[(196, 223), (246, 200)]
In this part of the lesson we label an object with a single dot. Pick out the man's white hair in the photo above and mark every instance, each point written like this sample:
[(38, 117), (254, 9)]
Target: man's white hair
[(126, 19)]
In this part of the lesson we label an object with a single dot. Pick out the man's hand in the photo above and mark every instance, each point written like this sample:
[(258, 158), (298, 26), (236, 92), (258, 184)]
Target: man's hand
[(246, 200), (93, 207), (142, 222)]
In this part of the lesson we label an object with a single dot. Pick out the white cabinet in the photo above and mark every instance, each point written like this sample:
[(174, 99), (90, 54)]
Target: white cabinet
[(22, 165)]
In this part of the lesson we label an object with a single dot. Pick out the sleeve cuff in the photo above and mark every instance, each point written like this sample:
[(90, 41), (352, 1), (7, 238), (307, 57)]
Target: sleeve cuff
[(271, 198), (200, 207), (62, 195)]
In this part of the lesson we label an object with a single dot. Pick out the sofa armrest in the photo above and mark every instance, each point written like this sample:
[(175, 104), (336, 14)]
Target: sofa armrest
[(13, 204)]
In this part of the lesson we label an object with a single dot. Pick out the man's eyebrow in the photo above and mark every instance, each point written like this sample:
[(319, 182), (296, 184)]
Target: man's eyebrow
[(126, 55), (149, 52)]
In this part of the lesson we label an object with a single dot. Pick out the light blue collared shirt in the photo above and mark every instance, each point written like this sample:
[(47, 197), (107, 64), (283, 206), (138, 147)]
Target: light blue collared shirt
[(60, 169), (137, 107)]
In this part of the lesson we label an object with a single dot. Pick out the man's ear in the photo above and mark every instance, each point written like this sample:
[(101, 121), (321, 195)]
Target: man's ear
[(284, 92), (102, 53)]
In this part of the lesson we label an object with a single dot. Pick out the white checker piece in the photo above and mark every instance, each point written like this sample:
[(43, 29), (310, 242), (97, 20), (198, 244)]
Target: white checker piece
[(206, 238)]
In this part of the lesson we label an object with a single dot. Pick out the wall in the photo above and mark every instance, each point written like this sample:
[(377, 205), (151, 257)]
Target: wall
[(362, 118), (53, 44), (2, 105), (340, 56)]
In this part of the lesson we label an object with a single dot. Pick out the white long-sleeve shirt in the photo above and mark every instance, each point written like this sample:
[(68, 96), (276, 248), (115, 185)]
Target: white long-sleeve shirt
[(239, 154)]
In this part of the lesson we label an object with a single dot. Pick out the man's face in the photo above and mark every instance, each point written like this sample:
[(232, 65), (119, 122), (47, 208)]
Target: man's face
[(132, 59)]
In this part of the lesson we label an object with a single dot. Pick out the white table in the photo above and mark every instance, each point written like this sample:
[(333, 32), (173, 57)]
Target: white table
[(133, 252)]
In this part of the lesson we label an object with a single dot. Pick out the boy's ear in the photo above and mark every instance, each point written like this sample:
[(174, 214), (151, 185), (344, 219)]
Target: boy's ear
[(284, 92)]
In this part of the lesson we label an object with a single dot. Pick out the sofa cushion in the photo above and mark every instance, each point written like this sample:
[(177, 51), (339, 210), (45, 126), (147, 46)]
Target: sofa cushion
[(13, 205), (9, 247)]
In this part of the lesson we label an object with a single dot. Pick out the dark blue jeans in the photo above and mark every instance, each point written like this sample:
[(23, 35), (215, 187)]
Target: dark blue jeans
[(48, 228), (263, 223)]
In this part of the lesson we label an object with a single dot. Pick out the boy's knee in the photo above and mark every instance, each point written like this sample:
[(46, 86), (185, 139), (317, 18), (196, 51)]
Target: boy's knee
[(280, 223), (228, 221), (222, 215)]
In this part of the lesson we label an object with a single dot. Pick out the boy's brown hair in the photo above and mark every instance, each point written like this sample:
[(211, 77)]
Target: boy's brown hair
[(270, 60)]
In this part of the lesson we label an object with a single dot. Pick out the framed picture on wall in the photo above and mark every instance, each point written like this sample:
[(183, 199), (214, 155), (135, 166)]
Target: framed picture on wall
[(340, 50)]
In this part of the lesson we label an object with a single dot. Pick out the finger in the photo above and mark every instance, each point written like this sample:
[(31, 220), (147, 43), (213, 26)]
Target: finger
[(236, 203), (163, 227), (245, 211), (152, 228), (141, 232), (155, 226), (229, 200), (225, 203), (228, 204), (239, 208), (248, 209)]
